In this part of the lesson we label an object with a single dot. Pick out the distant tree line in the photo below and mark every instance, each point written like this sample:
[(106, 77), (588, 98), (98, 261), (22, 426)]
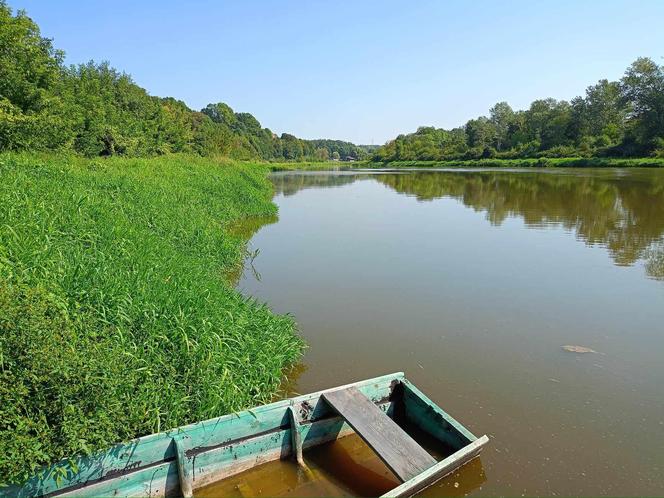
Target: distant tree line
[(615, 119), (95, 110)]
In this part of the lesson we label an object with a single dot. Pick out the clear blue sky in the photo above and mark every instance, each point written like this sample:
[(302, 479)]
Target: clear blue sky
[(363, 71)]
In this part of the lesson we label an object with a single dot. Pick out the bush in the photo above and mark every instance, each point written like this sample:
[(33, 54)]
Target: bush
[(559, 151), (65, 382), (658, 149)]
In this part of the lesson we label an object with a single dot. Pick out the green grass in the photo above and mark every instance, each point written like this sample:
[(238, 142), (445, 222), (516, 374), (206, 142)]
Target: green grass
[(116, 319), (564, 162), (542, 162)]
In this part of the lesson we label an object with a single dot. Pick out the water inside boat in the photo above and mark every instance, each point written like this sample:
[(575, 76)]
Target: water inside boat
[(345, 467)]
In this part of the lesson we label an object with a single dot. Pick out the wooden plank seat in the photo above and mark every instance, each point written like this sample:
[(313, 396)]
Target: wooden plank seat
[(400, 452)]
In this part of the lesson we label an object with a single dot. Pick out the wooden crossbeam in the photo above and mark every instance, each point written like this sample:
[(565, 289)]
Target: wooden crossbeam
[(184, 474), (392, 444)]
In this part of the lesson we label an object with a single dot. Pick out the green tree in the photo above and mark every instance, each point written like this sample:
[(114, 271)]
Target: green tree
[(481, 134), (220, 113), (612, 118), (322, 154), (643, 91), (502, 117), (29, 64), (291, 147), (31, 117), (548, 121), (247, 123), (176, 128), (598, 120), (113, 115)]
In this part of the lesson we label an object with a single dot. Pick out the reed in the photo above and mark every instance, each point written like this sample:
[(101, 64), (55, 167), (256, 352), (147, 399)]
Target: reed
[(116, 319)]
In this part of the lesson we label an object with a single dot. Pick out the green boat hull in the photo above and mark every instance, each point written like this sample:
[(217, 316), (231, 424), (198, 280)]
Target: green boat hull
[(175, 462)]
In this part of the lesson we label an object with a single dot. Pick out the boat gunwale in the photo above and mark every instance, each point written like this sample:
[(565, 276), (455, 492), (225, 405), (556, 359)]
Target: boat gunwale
[(117, 468), (224, 458), (442, 469)]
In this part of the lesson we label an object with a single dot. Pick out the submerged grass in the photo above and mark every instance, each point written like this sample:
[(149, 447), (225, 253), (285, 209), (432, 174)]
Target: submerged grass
[(115, 317)]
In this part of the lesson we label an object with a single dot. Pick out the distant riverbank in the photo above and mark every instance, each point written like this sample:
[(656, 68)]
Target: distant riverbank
[(537, 162), (541, 162)]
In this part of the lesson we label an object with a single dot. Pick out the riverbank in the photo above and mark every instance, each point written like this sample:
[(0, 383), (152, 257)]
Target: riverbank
[(313, 166), (116, 319), (542, 162)]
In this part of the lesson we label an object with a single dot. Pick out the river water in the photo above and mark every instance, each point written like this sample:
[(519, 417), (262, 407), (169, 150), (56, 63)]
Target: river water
[(471, 282)]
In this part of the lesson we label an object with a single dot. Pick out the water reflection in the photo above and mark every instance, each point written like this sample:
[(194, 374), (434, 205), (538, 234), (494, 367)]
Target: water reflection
[(620, 210), (243, 231), (655, 261), (291, 183)]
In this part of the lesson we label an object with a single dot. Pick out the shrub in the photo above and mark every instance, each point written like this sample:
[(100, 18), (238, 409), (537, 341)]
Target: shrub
[(65, 381)]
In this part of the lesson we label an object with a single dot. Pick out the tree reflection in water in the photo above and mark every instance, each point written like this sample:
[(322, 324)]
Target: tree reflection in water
[(622, 210)]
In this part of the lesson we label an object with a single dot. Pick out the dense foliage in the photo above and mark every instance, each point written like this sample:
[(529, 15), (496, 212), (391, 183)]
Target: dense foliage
[(614, 119), (118, 316), (94, 110), (116, 319)]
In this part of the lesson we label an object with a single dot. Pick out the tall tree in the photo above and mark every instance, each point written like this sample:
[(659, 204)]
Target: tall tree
[(502, 117), (481, 134), (29, 64), (643, 91)]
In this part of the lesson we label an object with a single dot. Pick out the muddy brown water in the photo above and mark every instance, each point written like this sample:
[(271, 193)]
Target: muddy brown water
[(471, 282)]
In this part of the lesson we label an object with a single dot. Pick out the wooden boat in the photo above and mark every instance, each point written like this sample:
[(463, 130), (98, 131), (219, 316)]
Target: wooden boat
[(177, 462)]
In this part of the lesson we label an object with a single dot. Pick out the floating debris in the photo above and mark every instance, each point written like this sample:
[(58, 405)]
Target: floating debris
[(578, 349)]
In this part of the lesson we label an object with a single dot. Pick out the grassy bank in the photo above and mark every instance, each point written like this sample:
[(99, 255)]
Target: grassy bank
[(115, 317), (313, 166), (543, 162)]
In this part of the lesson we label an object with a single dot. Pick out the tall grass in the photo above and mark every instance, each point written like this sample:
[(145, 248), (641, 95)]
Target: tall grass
[(115, 317)]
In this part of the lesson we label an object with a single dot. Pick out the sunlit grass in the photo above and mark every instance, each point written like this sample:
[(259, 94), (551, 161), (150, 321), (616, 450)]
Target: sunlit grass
[(115, 317)]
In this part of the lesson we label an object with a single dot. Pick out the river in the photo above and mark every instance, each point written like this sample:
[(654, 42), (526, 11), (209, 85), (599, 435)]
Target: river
[(471, 281)]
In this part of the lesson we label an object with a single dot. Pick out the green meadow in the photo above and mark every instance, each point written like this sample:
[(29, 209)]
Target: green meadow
[(118, 317)]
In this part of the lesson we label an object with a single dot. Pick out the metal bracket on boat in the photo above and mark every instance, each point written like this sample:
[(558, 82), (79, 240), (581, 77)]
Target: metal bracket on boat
[(296, 436), (186, 484)]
